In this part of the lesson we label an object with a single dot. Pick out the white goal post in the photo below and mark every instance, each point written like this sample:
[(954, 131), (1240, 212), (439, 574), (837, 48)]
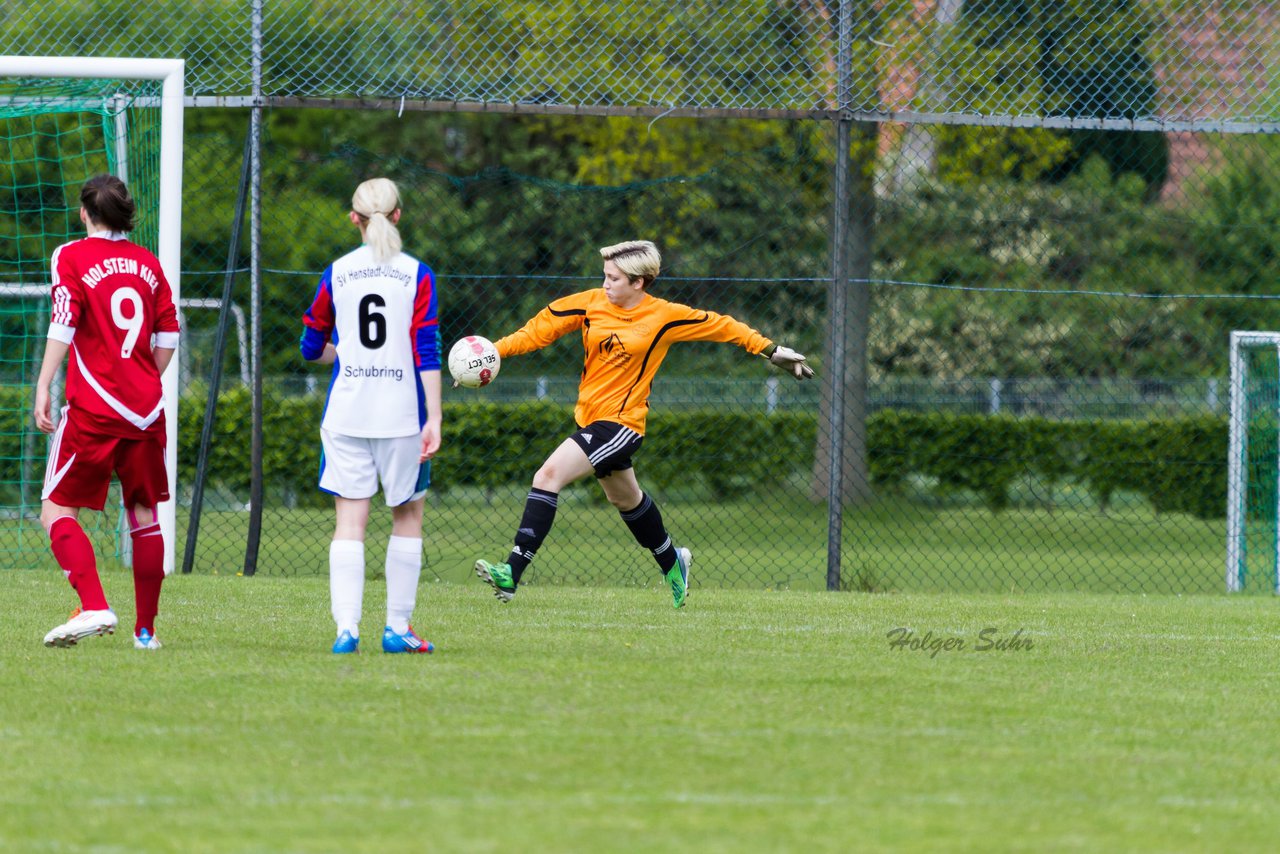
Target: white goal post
[(170, 74), (1238, 450)]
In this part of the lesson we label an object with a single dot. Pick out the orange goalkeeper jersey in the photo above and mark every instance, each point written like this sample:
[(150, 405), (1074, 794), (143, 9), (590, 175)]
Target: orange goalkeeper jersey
[(624, 348)]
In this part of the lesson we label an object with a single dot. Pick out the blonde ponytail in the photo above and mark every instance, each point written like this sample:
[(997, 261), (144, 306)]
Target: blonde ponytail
[(374, 201)]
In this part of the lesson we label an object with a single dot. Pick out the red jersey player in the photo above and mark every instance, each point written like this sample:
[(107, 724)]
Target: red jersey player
[(113, 312)]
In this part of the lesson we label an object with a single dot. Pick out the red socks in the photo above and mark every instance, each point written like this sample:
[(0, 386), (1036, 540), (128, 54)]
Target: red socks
[(148, 574), (74, 553)]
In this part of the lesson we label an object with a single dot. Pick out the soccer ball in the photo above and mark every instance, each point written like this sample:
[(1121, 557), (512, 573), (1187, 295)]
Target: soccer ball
[(474, 361)]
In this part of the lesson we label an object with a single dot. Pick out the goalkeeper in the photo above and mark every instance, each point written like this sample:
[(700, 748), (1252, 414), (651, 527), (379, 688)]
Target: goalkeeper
[(626, 333)]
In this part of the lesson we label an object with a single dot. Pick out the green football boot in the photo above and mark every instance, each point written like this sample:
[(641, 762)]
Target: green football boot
[(678, 577), (497, 576)]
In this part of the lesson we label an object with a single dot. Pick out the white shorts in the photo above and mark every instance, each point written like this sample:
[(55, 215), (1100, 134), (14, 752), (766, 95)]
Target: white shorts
[(350, 467)]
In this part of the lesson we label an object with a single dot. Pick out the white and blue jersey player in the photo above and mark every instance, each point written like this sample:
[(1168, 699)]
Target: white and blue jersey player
[(374, 318)]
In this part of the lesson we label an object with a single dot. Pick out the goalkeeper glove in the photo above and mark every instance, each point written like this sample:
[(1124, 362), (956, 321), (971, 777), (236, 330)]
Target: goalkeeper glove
[(791, 362)]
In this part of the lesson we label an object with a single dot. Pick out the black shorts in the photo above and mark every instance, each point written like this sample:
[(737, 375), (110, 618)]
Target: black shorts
[(608, 446)]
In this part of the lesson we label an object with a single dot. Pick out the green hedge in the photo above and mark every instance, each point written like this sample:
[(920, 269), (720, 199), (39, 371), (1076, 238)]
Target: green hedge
[(492, 445), (15, 418), (1177, 464)]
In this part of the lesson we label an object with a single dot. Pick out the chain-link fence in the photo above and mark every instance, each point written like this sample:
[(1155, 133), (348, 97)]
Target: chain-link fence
[(1050, 217), (1030, 63)]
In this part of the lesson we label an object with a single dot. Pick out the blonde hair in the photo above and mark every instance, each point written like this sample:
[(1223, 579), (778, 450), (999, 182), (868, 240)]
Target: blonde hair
[(639, 259), (374, 201)]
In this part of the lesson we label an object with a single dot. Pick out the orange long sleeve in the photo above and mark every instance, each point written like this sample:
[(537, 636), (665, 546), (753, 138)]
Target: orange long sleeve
[(624, 349)]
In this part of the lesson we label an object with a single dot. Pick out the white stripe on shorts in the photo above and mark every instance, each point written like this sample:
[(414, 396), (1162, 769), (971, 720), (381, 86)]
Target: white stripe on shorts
[(625, 436)]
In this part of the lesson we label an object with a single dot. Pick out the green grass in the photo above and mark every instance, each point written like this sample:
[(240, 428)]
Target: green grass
[(592, 719), (764, 542)]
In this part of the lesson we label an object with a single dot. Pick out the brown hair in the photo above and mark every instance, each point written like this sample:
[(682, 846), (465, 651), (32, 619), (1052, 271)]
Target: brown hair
[(107, 201)]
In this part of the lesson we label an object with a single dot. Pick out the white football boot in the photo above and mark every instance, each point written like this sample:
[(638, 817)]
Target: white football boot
[(83, 624)]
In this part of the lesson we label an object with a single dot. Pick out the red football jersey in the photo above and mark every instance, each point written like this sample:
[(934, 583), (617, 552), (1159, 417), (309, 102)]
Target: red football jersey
[(109, 298)]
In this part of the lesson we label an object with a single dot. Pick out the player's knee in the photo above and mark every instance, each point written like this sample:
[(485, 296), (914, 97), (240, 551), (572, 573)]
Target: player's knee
[(406, 519), (140, 516), (548, 478), (349, 531), (626, 502), (50, 514)]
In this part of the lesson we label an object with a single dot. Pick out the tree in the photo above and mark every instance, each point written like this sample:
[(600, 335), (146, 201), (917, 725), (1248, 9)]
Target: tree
[(866, 23), (1079, 59)]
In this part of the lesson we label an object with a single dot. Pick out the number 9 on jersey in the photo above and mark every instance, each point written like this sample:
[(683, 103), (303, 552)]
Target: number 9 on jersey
[(474, 361)]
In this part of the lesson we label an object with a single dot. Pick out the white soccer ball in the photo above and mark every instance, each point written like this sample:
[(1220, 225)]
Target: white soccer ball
[(474, 361)]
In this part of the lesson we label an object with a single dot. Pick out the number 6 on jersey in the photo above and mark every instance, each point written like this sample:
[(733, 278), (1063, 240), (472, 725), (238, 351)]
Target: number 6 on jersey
[(474, 361)]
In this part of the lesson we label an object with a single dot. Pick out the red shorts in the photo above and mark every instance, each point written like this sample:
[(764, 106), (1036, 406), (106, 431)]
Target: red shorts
[(81, 461)]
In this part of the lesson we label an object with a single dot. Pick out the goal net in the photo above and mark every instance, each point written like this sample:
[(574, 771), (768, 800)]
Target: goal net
[(62, 121), (1253, 464)]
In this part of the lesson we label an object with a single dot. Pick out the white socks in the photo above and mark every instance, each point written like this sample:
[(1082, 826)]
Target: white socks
[(404, 564), (346, 584)]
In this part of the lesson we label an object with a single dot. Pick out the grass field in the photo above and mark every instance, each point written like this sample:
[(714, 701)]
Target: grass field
[(778, 542), (588, 719)]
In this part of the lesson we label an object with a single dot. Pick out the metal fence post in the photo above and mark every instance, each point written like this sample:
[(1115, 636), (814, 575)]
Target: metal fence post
[(254, 538), (839, 299), (215, 378)]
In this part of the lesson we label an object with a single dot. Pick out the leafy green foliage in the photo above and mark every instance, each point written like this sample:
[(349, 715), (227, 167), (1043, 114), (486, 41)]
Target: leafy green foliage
[(1176, 464), (509, 211), (1236, 225), (491, 445), (1091, 60), (1084, 278)]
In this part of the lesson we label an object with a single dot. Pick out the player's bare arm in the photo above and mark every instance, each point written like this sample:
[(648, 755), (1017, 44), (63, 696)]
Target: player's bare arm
[(327, 356), (431, 384), (54, 352), (163, 356)]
